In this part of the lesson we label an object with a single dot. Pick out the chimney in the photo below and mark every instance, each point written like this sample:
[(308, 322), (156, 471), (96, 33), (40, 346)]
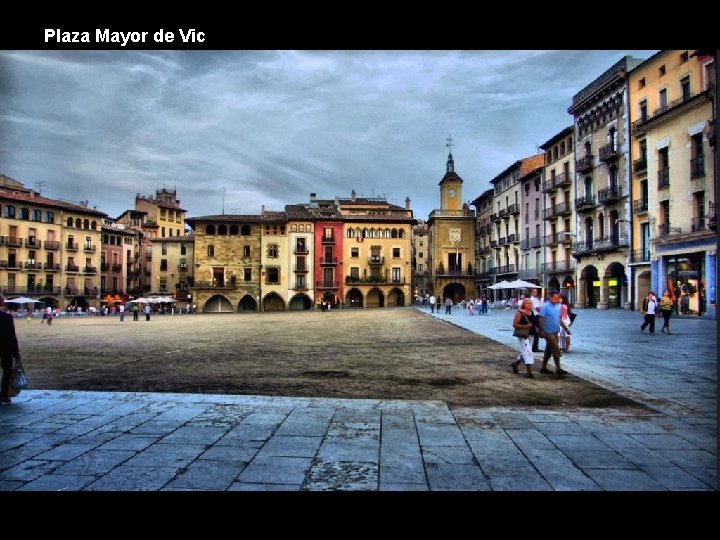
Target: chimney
[(407, 203)]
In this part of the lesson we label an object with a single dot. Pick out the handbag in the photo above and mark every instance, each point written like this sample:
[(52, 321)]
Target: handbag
[(522, 332), (19, 380), (572, 318)]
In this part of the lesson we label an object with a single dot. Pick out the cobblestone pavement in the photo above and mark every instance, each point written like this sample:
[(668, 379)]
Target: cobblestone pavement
[(71, 440)]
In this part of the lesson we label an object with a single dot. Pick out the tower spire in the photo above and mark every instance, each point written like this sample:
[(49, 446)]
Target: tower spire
[(450, 161)]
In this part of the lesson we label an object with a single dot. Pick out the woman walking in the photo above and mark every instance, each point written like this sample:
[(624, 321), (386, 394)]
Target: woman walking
[(522, 323), (666, 306), (565, 312)]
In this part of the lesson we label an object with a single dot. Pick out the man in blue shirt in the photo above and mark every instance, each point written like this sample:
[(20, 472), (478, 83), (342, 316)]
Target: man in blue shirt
[(550, 323)]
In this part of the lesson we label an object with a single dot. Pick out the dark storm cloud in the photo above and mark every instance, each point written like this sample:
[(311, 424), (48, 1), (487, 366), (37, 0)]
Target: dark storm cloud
[(271, 127)]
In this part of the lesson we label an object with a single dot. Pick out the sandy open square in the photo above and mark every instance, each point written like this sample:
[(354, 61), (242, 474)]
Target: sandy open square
[(381, 353)]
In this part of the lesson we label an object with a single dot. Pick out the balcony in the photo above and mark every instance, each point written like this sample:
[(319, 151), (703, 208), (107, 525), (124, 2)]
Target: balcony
[(33, 266), (33, 243), (148, 256), (583, 204), (549, 213), (493, 244), (104, 267), (513, 239), (452, 213), (89, 248), (90, 269), (13, 241), (550, 239), (300, 250), (70, 291), (484, 250), (502, 241), (698, 224), (300, 268), (547, 186), (609, 152), (52, 267), (562, 180), (328, 261), (302, 286), (326, 284), (525, 243), (697, 167), (328, 240), (664, 178), (495, 217), (559, 266), (37, 289), (612, 242), (118, 268), (563, 209), (72, 268), (639, 256), (453, 272), (564, 237), (640, 206), (507, 269), (513, 209), (356, 280), (584, 163), (640, 165), (536, 241), (71, 246), (376, 260), (52, 245), (611, 194)]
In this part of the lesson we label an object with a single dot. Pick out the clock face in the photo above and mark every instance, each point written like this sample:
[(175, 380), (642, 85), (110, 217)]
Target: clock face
[(451, 192)]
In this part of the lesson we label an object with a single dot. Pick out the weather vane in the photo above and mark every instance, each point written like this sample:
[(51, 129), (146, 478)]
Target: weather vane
[(449, 143)]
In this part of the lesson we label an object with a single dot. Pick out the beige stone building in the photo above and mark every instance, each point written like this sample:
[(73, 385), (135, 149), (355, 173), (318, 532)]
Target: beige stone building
[(301, 257), (227, 254), (673, 190), (275, 274), (451, 235), (49, 249), (420, 258), (602, 188), (172, 267), (558, 188), (484, 259)]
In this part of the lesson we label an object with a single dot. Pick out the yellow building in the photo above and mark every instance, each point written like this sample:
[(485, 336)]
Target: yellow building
[(674, 240), (49, 249), (451, 236), (376, 252), (275, 276), (172, 266)]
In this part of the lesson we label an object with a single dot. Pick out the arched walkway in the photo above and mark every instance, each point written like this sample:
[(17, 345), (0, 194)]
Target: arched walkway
[(396, 298), (568, 289), (218, 304), (456, 291), (273, 302), (590, 291), (375, 298), (643, 288), (353, 299), (616, 285), (48, 301), (247, 303), (300, 302)]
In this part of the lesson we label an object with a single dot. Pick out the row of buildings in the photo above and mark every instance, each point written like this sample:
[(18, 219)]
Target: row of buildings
[(619, 203)]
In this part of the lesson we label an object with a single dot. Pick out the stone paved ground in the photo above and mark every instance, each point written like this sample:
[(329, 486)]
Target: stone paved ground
[(58, 440)]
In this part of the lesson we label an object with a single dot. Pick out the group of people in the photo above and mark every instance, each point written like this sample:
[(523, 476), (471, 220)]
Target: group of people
[(652, 307), (479, 305), (550, 321)]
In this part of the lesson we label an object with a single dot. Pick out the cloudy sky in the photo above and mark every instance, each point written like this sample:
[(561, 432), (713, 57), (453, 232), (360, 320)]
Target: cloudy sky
[(271, 127)]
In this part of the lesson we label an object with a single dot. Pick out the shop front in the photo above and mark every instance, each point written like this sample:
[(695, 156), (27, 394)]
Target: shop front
[(685, 276)]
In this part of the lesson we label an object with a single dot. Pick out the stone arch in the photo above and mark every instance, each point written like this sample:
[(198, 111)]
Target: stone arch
[(396, 298), (375, 298), (82, 302), (589, 294), (210, 229), (300, 302), (616, 284), (247, 303), (553, 285), (273, 302), (456, 291), (568, 289), (401, 233), (218, 304), (234, 229), (49, 301), (354, 298), (222, 229), (245, 230)]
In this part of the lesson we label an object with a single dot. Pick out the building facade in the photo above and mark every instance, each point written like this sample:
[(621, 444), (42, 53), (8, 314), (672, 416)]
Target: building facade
[(558, 190), (275, 273), (301, 256), (531, 222), (484, 260), (674, 246), (451, 235), (420, 259), (119, 244), (49, 249), (602, 189)]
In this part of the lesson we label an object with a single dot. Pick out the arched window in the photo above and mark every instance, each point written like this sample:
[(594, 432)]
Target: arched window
[(394, 233), (24, 213), (70, 222), (78, 223), (245, 230), (36, 215), (86, 223), (293, 228), (10, 212), (222, 229), (301, 228), (387, 233), (350, 233), (401, 233), (365, 233), (210, 229), (562, 148), (234, 229), (93, 225)]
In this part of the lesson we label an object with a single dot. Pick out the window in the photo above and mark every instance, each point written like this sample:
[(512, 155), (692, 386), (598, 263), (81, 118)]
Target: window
[(183, 249), (246, 251), (420, 254), (163, 214), (49, 217), (643, 110), (537, 208), (273, 275), (683, 57), (36, 215), (247, 274), (396, 275), (164, 248), (105, 239), (163, 265), (396, 252), (661, 70), (421, 267), (169, 232), (234, 229), (272, 251), (222, 229), (245, 230), (354, 252), (641, 83), (300, 246), (10, 212), (328, 233), (685, 87), (420, 243), (162, 232), (211, 250), (24, 213), (663, 99)]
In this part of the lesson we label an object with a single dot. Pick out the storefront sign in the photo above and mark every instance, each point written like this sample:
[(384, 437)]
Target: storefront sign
[(597, 283), (612, 282)]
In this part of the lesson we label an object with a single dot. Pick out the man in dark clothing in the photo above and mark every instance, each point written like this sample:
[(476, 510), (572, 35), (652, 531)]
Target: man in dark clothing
[(9, 350)]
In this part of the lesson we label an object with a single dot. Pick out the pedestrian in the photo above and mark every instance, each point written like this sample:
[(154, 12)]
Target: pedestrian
[(666, 307), (9, 351), (432, 301), (536, 305), (148, 311), (524, 320), (549, 325), (484, 309), (136, 311), (649, 308), (448, 305), (121, 309), (565, 312), (471, 307)]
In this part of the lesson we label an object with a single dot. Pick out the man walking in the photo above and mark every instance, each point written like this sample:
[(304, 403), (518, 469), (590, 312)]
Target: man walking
[(448, 305), (536, 305), (550, 324), (432, 301)]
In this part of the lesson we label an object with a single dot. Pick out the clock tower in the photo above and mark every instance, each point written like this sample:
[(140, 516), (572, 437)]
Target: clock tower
[(450, 187)]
